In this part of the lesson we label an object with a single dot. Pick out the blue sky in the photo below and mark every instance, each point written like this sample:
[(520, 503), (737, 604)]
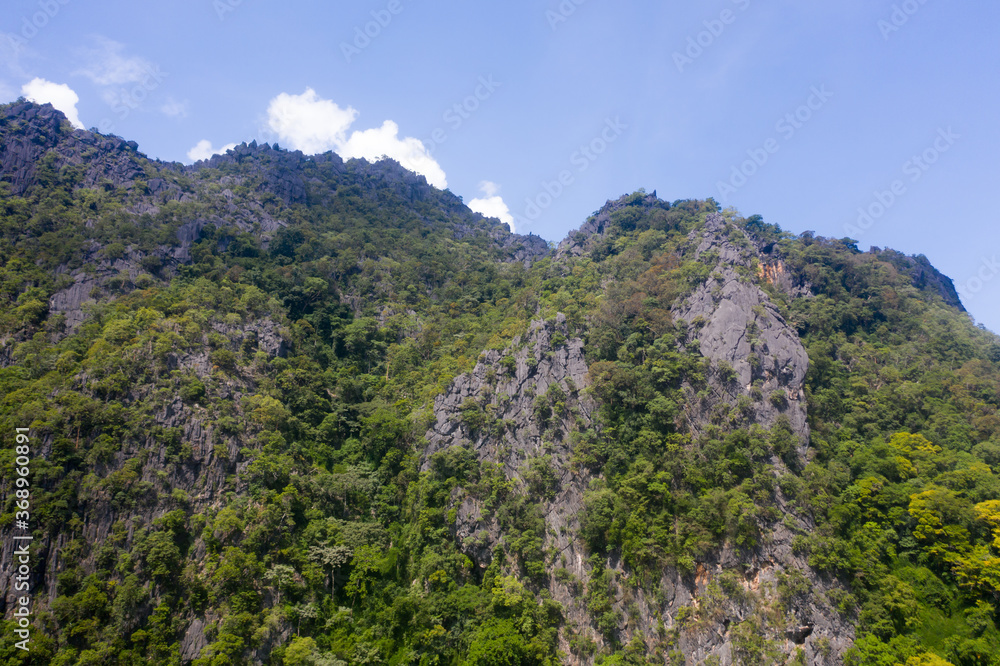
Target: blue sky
[(875, 120)]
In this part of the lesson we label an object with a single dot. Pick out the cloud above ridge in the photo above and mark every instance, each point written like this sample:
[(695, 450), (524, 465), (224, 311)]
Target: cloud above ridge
[(203, 150), (309, 123), (59, 95), (491, 204)]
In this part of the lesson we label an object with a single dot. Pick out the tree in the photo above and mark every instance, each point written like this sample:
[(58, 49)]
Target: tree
[(363, 565), (496, 643)]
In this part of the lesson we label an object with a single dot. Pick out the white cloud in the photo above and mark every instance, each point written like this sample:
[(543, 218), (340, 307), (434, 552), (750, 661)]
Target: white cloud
[(107, 66), (489, 188), (311, 124), (372, 144), (308, 123), (59, 95), (174, 109), (491, 204), (203, 150)]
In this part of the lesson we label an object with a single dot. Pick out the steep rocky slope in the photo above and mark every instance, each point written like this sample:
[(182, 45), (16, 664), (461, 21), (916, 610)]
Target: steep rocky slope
[(759, 369), (754, 351), (518, 406)]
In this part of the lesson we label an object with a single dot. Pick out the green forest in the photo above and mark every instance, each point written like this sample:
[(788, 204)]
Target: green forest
[(229, 429)]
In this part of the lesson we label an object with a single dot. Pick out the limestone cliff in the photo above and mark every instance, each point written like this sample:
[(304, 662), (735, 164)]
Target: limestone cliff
[(755, 354), (763, 602)]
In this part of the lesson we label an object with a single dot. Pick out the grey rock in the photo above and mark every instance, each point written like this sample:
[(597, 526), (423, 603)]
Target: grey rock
[(193, 640), (70, 301), (736, 324)]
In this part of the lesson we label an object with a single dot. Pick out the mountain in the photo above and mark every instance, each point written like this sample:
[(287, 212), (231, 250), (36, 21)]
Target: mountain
[(290, 409)]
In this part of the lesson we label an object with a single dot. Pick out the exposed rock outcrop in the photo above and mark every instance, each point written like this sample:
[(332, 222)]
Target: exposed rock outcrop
[(764, 595), (754, 352), (514, 386), (505, 387), (29, 131), (280, 171)]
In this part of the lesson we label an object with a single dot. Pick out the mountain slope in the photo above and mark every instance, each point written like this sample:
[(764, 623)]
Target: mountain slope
[(295, 410)]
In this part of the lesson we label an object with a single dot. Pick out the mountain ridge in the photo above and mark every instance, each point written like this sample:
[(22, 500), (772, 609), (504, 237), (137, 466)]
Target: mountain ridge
[(49, 124), (296, 410)]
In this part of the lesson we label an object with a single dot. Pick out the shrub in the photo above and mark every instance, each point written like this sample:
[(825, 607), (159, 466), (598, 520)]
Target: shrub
[(779, 398)]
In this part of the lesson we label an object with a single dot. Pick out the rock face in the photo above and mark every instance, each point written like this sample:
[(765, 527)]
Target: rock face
[(103, 274), (20, 154), (758, 364), (28, 131), (506, 386), (545, 363), (280, 170), (524, 249), (754, 352)]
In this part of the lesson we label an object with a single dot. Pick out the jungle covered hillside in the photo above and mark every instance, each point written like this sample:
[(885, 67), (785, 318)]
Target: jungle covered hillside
[(290, 409)]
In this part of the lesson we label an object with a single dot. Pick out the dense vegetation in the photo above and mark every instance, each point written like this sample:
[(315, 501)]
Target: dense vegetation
[(246, 428)]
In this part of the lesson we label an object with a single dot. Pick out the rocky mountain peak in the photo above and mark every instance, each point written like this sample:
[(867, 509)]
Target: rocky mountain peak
[(29, 131)]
